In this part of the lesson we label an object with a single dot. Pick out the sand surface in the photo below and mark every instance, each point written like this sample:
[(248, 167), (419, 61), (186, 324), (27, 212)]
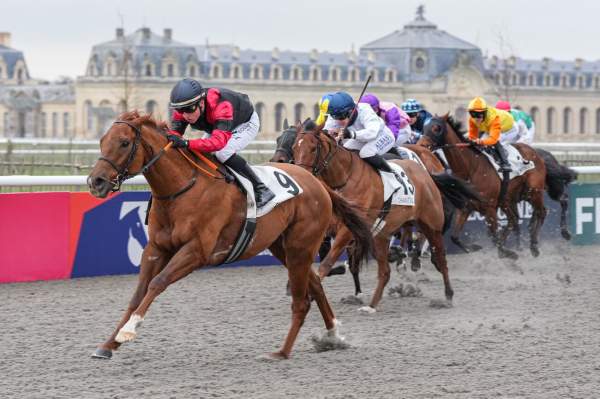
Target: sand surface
[(525, 329)]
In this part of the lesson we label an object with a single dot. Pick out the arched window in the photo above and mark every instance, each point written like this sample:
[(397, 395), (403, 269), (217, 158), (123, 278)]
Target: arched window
[(316, 111), (534, 112), (170, 70), (43, 131), (236, 72), (280, 115), (20, 76), (192, 70), (353, 76), (583, 115), (390, 76), (89, 116), (598, 121), (1, 72), (260, 111), (597, 82), (54, 124), (66, 124), (581, 81), (148, 70), (334, 75), (151, 107), (297, 74), (257, 72), (550, 120), (531, 80), (547, 80), (215, 71), (566, 120), (515, 79), (298, 112), (276, 72), (315, 73)]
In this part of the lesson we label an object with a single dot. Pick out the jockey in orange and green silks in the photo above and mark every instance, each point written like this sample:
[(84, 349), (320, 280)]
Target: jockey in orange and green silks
[(490, 123)]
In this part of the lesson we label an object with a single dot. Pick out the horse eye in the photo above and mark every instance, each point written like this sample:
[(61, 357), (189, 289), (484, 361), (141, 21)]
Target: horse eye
[(125, 143)]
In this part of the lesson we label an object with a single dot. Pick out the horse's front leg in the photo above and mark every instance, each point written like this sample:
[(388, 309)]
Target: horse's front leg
[(186, 259), (342, 239), (460, 218), (153, 260), (382, 244)]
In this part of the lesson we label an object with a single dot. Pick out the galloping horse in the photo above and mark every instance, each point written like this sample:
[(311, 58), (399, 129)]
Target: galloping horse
[(343, 170), (195, 219), (470, 164), (284, 153)]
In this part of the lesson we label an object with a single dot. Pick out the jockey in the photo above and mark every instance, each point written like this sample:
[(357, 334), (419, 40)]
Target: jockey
[(525, 124), (228, 117), (395, 119), (418, 117), (360, 126), (491, 123)]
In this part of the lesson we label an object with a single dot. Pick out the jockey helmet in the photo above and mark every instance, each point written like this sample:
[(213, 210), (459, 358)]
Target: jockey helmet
[(411, 106), (372, 100), (478, 104), (340, 105), (187, 92), (503, 105)]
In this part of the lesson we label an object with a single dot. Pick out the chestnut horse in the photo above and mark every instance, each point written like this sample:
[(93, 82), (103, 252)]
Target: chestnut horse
[(343, 170), (284, 153), (195, 219), (468, 163)]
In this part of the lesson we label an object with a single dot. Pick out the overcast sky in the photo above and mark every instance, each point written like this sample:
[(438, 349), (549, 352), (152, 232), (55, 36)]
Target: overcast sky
[(57, 35)]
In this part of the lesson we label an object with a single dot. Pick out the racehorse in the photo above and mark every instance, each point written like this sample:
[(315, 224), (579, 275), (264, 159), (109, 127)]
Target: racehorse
[(196, 217), (284, 153), (343, 170), (468, 162)]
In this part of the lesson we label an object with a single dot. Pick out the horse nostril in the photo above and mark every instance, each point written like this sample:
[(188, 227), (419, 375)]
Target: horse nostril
[(98, 182)]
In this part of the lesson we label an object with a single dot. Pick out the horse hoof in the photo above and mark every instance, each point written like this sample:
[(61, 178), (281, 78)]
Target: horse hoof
[(535, 252), (276, 356), (415, 265), (125, 336), (367, 310), (566, 234), (102, 353), (475, 248), (341, 269), (506, 253)]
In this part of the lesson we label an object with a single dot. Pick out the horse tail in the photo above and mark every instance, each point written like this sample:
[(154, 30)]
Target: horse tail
[(456, 190), (348, 215), (557, 175), (448, 214)]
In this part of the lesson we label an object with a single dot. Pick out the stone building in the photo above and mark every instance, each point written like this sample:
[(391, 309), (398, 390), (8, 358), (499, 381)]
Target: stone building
[(137, 71)]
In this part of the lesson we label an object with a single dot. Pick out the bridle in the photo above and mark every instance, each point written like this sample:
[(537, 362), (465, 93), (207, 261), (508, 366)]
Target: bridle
[(318, 166), (123, 173)]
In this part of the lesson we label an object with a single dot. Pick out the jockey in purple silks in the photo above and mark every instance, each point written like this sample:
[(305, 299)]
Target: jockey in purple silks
[(395, 119)]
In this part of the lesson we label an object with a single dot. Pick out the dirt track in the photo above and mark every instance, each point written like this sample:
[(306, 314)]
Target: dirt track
[(524, 330)]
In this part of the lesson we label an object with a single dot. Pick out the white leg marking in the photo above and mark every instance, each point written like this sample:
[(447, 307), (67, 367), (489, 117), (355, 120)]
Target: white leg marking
[(127, 332)]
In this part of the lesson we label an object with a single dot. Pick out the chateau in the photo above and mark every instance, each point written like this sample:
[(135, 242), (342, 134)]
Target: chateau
[(138, 70)]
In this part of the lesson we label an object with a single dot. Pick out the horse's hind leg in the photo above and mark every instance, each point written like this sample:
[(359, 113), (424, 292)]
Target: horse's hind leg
[(382, 244), (438, 257), (460, 218), (564, 205), (537, 219), (152, 262)]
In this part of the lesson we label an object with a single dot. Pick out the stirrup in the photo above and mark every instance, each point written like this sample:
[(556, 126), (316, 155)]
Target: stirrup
[(263, 195)]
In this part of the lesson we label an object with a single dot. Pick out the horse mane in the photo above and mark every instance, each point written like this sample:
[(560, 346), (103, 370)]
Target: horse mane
[(145, 119), (457, 127)]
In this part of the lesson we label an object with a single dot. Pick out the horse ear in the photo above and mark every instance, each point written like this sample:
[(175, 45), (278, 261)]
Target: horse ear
[(285, 124), (446, 116)]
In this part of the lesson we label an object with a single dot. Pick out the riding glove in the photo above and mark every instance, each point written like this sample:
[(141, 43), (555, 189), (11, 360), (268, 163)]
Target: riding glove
[(178, 141)]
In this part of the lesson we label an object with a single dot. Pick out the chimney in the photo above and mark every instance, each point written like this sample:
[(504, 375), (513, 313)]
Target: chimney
[(120, 33), (5, 38), (146, 33), (168, 34), (578, 63), (275, 54)]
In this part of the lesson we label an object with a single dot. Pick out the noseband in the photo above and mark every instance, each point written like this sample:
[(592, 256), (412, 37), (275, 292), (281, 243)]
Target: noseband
[(319, 167)]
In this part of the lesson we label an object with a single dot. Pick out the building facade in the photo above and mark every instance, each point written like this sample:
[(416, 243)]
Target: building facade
[(138, 70)]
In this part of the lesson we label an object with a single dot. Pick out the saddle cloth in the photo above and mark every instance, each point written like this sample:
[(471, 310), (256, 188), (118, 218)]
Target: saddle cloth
[(410, 154), (518, 164), (282, 184), (402, 192)]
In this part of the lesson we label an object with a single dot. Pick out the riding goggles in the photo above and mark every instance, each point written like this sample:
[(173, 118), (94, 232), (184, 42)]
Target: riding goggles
[(477, 114), (412, 114), (187, 110)]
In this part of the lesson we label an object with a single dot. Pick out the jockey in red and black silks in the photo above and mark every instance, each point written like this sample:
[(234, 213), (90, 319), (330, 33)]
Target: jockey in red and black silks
[(228, 117)]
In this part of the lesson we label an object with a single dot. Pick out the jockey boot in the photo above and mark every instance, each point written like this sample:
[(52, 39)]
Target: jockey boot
[(262, 194), (502, 157), (379, 163)]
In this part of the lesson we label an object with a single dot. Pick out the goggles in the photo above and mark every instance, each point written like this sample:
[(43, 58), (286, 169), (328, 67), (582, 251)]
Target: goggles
[(412, 114), (477, 114), (187, 110)]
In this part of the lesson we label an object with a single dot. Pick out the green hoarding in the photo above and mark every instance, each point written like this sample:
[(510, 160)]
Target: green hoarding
[(584, 210)]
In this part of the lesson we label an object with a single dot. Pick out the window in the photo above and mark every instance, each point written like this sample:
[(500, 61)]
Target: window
[(43, 124), (66, 124), (21, 124), (334, 75), (257, 72), (389, 76), (170, 70), (276, 73), (298, 112), (420, 63), (1, 72), (151, 107), (550, 120), (280, 115), (547, 80), (581, 82), (89, 115), (314, 74), (583, 113), (215, 71), (148, 70), (297, 74), (531, 80), (515, 79), (236, 72), (260, 111), (597, 120), (192, 70), (566, 120), (316, 111), (6, 123), (20, 76), (534, 113), (54, 124), (109, 68)]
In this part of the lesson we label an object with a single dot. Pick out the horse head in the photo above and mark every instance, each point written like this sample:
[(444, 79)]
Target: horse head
[(308, 147), (123, 152), (283, 152)]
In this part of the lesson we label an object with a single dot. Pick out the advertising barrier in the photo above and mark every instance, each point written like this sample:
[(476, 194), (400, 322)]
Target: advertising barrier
[(45, 236)]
